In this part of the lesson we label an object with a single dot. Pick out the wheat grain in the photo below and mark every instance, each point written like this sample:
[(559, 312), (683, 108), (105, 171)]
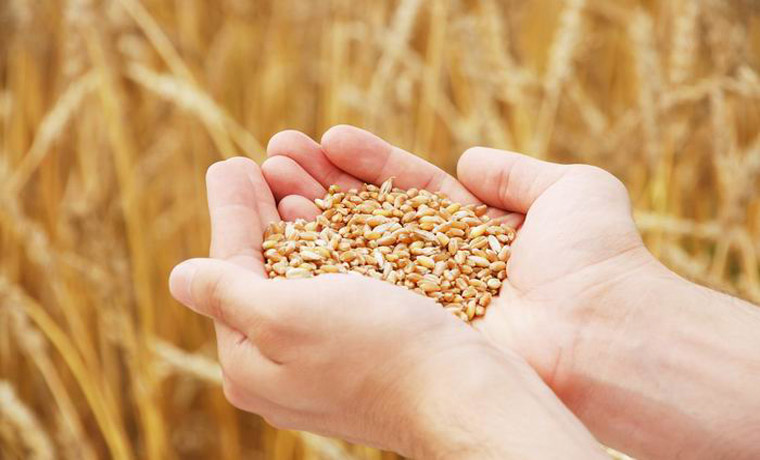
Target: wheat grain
[(414, 238)]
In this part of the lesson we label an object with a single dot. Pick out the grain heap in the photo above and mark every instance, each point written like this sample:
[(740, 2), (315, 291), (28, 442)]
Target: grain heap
[(414, 238)]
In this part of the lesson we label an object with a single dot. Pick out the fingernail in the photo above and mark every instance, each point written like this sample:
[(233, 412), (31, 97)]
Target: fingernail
[(181, 281)]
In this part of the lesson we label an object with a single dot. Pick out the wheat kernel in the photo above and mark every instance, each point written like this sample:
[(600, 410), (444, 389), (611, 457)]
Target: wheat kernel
[(415, 239)]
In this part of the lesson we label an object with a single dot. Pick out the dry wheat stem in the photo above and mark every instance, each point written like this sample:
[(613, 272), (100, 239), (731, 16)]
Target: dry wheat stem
[(560, 65), (684, 42), (100, 404), (158, 39), (641, 31), (50, 128), (27, 427), (397, 35), (34, 346), (191, 98), (196, 365)]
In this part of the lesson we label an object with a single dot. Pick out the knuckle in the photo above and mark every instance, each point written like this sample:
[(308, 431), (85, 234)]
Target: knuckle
[(502, 185), (602, 178), (216, 297)]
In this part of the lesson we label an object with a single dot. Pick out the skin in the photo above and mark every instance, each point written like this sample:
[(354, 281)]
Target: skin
[(642, 357), (388, 381)]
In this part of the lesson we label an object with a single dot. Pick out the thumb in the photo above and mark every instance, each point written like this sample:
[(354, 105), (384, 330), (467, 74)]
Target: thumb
[(216, 289), (506, 180)]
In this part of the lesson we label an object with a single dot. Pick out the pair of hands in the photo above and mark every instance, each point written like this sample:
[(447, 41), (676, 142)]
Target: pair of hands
[(373, 363)]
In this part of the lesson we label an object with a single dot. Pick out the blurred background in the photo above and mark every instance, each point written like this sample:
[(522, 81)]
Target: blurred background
[(111, 111)]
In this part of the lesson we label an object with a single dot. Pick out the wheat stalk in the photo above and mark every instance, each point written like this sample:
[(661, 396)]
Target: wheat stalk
[(51, 128), (190, 98), (641, 31), (397, 36), (33, 344), (559, 68), (103, 412), (14, 412), (683, 48)]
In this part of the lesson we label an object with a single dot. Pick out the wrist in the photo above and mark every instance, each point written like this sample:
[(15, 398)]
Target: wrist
[(654, 374), (491, 404)]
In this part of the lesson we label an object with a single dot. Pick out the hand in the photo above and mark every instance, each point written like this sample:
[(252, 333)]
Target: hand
[(577, 240), (613, 332), (355, 357)]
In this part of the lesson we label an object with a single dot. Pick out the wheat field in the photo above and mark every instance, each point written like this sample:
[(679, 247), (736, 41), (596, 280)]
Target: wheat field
[(111, 110)]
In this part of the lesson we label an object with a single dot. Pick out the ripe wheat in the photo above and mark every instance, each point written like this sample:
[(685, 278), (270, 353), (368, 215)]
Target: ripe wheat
[(417, 239)]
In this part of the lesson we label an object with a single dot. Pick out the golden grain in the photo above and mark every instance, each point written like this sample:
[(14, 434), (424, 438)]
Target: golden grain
[(394, 246)]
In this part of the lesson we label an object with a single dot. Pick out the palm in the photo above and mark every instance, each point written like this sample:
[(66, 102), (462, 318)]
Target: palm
[(567, 249), (577, 220)]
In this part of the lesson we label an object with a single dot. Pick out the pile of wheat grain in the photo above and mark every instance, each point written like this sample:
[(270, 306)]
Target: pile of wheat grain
[(423, 241)]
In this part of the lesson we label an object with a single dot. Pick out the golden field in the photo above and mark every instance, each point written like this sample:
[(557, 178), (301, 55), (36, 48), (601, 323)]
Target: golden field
[(111, 110)]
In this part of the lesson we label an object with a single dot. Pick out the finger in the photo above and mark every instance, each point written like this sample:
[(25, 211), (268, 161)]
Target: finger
[(240, 205), (273, 316), (217, 289), (374, 160), (307, 153), (223, 291), (506, 180), (294, 207), (286, 177)]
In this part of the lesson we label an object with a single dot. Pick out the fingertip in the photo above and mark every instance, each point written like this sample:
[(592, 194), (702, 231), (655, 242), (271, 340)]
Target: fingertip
[(221, 169), (289, 140), (241, 161), (214, 170), (271, 167), (181, 280), (507, 180), (285, 176), (294, 207), (472, 155), (337, 132), (343, 141)]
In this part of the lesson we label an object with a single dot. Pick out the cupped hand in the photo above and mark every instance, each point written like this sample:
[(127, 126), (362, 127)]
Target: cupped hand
[(354, 357), (576, 242)]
